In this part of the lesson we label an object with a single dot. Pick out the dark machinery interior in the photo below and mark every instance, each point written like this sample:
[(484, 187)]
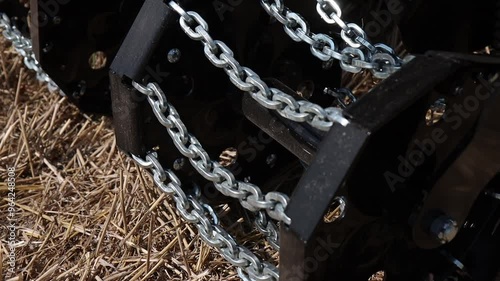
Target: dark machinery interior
[(421, 193)]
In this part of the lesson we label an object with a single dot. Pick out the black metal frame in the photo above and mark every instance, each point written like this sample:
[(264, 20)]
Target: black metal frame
[(353, 162)]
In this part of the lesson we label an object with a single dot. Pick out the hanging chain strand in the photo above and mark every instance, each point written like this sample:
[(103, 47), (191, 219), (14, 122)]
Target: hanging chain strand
[(268, 228), (384, 58), (249, 195), (23, 46), (379, 58), (249, 266), (221, 56)]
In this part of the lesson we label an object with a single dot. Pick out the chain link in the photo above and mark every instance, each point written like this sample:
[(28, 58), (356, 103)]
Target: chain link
[(206, 221), (378, 58), (268, 228), (221, 56), (193, 211), (249, 195), (23, 46), (383, 59)]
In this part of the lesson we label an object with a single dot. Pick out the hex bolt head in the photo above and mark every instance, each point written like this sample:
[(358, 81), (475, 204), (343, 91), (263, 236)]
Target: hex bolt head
[(444, 229), (174, 55)]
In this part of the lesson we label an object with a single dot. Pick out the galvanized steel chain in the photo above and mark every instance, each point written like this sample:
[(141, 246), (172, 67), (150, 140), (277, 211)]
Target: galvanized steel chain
[(269, 229), (249, 195), (359, 55), (221, 56), (249, 266), (23, 46)]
